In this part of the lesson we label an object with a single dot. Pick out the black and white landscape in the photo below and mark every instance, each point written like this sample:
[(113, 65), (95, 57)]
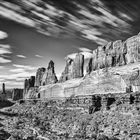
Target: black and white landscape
[(69, 70)]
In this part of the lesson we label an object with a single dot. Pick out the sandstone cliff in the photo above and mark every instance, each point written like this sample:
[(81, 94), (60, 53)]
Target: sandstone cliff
[(49, 77), (113, 68), (39, 75), (74, 68)]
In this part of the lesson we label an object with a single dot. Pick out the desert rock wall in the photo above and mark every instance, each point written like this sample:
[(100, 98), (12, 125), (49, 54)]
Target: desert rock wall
[(113, 68)]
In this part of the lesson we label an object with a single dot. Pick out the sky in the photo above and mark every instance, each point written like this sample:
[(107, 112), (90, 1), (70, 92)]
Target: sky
[(33, 32)]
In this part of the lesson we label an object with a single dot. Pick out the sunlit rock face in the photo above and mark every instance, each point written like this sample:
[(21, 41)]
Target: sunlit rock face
[(119, 51), (103, 81), (73, 69), (39, 75), (133, 49), (113, 68), (49, 76)]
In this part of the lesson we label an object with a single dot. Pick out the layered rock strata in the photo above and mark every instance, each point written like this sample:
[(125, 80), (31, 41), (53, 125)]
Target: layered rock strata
[(113, 68)]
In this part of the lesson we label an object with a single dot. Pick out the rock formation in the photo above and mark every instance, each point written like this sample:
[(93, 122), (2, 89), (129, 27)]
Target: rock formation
[(39, 75), (3, 89), (73, 69), (78, 66), (67, 73), (113, 68), (49, 76), (3, 94), (28, 83), (17, 94)]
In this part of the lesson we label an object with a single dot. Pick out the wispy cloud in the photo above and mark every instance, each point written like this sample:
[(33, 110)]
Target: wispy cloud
[(26, 67), (21, 56), (39, 56), (3, 35), (85, 50), (17, 70), (5, 49), (4, 60)]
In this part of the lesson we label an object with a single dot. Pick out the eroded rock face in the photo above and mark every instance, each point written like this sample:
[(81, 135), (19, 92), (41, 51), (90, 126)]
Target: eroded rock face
[(17, 94), (49, 76), (32, 81), (119, 52), (28, 83), (67, 73), (78, 66), (39, 76), (133, 49)]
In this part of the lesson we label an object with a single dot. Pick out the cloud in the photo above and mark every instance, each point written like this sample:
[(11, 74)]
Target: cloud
[(13, 15), (85, 50), (21, 56), (4, 60), (87, 55), (38, 56), (2, 67), (14, 76), (17, 70), (5, 49), (3, 35), (25, 67)]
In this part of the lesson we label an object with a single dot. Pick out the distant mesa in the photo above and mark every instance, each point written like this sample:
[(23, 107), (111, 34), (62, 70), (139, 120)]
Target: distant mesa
[(113, 68)]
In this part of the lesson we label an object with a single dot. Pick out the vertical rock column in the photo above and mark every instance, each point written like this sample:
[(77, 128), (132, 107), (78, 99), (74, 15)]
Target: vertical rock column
[(49, 76), (78, 66), (3, 89), (67, 73), (39, 75)]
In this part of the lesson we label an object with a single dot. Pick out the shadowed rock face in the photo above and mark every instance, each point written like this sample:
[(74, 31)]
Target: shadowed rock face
[(78, 66), (28, 83), (49, 76), (39, 75), (67, 73), (17, 94)]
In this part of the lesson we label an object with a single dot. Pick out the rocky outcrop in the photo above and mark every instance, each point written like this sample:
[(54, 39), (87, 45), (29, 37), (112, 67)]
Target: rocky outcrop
[(67, 73), (74, 68), (49, 76), (17, 94), (113, 68), (39, 76), (3, 93), (28, 83), (78, 66)]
